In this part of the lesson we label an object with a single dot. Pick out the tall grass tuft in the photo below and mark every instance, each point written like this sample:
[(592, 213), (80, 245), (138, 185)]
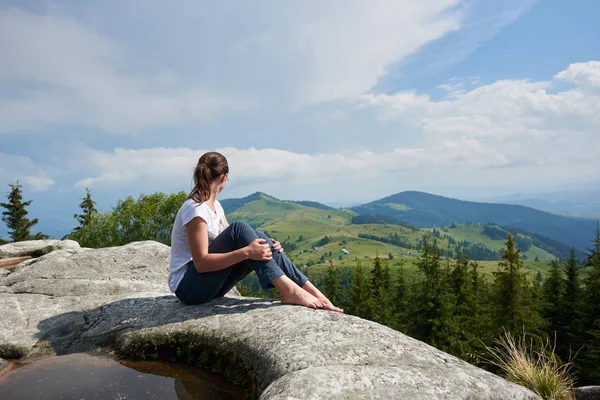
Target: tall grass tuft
[(535, 367)]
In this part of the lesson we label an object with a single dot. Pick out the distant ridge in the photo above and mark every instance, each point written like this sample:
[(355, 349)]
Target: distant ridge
[(230, 205), (313, 204), (429, 210)]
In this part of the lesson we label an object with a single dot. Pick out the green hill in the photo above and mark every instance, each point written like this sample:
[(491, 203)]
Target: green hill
[(427, 210), (313, 236)]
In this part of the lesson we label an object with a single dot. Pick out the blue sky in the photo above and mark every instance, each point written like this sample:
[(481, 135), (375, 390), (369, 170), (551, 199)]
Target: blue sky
[(307, 100)]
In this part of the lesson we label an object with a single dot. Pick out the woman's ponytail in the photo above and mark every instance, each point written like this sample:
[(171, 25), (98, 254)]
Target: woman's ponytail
[(210, 167)]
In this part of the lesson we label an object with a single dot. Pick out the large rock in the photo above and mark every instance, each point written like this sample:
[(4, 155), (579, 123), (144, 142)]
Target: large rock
[(587, 393), (117, 298), (35, 248)]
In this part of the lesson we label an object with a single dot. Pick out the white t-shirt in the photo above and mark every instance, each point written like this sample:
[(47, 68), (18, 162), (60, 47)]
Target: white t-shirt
[(180, 246)]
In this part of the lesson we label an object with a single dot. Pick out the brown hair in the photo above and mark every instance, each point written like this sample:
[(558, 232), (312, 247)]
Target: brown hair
[(210, 167)]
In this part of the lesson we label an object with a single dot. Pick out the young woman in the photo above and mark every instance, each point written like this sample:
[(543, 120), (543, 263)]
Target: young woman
[(209, 256)]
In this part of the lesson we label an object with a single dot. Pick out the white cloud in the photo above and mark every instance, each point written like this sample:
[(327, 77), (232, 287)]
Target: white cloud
[(521, 112), (20, 168), (506, 132), (60, 73), (38, 183), (158, 167), (582, 74)]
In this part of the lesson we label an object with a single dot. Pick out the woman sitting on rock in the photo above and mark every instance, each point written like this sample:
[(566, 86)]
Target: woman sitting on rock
[(209, 256)]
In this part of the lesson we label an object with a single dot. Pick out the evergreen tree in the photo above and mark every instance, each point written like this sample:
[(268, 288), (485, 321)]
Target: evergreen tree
[(553, 306), (589, 319), (513, 300), (462, 288), (88, 211), (332, 288), (570, 307), (381, 290), (401, 300), (15, 216), (360, 294), (538, 279), (433, 309), (482, 315)]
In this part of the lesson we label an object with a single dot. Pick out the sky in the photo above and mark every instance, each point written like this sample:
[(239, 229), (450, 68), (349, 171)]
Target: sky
[(330, 101)]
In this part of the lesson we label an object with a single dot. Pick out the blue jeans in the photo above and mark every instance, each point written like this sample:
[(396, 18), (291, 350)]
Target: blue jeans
[(197, 288)]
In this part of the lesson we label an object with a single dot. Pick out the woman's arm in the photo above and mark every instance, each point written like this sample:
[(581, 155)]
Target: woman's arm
[(203, 260)]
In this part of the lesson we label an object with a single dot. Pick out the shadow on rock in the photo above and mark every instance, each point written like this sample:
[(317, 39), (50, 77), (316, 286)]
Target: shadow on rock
[(99, 327)]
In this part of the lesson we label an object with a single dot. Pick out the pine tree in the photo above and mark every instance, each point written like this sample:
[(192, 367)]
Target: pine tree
[(589, 319), (482, 314), (360, 294), (332, 288), (402, 301), (553, 305), (381, 290), (572, 291), (513, 302), (15, 216), (433, 309), (461, 285), (88, 211)]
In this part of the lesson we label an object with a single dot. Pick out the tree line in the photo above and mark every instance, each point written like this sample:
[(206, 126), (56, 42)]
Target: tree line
[(149, 217), (15, 216), (450, 305)]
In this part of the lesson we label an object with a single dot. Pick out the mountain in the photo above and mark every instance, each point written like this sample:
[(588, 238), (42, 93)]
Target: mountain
[(230, 205), (428, 210), (311, 233), (584, 201), (562, 206), (313, 204)]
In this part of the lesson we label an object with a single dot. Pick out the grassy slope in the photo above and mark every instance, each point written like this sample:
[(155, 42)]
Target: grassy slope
[(286, 221)]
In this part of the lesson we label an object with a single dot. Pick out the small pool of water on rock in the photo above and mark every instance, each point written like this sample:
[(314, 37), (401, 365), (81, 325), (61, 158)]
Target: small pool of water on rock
[(81, 376)]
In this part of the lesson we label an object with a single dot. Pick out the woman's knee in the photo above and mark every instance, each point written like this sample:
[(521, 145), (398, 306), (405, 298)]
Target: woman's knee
[(262, 235), (241, 226), (243, 232)]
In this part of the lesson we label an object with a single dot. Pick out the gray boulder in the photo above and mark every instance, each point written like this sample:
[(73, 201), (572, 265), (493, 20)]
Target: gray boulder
[(35, 248), (587, 393), (117, 299)]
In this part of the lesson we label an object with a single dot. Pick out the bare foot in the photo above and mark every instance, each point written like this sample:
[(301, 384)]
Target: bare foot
[(301, 298), (327, 305)]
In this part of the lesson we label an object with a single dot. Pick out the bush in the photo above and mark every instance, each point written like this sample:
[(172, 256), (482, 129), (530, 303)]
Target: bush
[(538, 369), (150, 217)]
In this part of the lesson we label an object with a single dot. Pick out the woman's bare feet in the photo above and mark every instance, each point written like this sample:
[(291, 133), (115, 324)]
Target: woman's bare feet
[(328, 305), (310, 288), (293, 294)]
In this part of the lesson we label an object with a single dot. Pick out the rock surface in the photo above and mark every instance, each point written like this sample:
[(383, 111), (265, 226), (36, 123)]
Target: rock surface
[(35, 248), (117, 298), (587, 393)]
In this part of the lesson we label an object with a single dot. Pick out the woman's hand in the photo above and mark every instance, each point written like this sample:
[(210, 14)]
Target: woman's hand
[(259, 250), (277, 245)]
